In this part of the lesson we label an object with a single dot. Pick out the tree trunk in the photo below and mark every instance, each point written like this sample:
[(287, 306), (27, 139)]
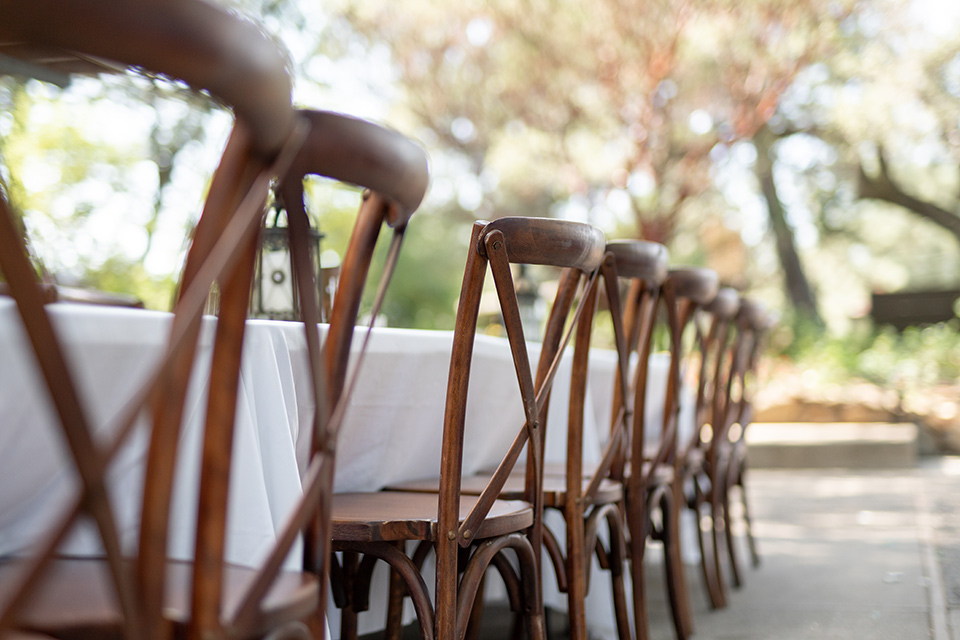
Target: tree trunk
[(795, 280)]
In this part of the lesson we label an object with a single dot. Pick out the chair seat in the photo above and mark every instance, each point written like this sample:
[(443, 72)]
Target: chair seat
[(401, 515), (664, 473), (554, 488), (76, 597)]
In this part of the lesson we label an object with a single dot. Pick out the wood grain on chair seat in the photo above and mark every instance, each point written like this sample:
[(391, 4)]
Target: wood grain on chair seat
[(381, 516), (554, 487), (76, 598)]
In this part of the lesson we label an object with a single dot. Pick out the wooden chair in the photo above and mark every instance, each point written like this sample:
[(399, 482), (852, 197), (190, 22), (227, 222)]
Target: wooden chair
[(688, 291), (206, 47), (651, 472), (145, 594), (753, 321), (588, 497), (394, 171), (591, 497), (469, 533), (709, 452)]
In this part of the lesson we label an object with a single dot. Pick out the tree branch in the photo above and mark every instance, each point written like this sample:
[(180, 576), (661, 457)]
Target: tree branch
[(884, 188)]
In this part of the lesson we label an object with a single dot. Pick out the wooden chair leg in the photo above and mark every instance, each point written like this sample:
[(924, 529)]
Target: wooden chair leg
[(394, 628), (731, 543), (620, 610), (613, 560), (476, 613), (348, 612), (534, 618), (717, 529), (577, 587), (751, 541), (638, 528), (702, 507), (641, 622), (671, 505)]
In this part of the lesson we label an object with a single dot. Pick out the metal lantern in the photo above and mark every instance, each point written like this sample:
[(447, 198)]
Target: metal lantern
[(274, 293)]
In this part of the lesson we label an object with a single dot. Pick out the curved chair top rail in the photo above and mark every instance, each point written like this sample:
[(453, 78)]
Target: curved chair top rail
[(364, 154), (725, 304), (754, 315), (549, 241), (190, 40), (641, 259), (697, 284)]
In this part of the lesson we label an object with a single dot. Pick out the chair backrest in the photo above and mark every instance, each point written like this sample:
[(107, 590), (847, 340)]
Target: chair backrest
[(208, 48), (718, 368), (190, 40), (686, 291), (394, 171), (329, 145), (644, 265), (753, 322), (578, 249)]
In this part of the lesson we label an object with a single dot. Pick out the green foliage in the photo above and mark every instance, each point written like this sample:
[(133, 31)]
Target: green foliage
[(125, 276), (917, 358), (424, 290)]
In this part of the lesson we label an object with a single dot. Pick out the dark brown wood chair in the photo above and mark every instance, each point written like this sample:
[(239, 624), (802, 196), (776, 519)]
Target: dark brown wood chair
[(469, 527), (145, 594), (589, 497), (654, 496), (708, 453), (688, 291), (207, 48), (394, 172), (753, 322)]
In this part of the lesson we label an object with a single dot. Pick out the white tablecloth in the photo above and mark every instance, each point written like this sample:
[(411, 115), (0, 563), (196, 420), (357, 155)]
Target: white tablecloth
[(392, 431)]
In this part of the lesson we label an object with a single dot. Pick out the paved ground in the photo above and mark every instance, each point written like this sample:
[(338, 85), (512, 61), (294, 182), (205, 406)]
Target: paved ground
[(846, 554)]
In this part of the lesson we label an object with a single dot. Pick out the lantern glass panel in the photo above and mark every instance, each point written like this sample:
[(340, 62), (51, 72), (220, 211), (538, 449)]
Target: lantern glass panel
[(274, 293)]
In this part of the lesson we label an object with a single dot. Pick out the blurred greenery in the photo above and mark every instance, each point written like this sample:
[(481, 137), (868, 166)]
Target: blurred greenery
[(907, 361), (787, 144)]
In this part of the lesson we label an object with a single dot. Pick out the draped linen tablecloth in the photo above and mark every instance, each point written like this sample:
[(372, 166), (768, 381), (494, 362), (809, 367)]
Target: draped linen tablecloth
[(392, 431)]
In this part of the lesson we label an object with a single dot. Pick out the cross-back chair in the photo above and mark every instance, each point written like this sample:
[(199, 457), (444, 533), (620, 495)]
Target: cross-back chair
[(469, 533), (207, 48), (651, 468), (709, 452), (588, 497), (753, 321), (591, 497), (689, 290), (394, 172), (139, 592)]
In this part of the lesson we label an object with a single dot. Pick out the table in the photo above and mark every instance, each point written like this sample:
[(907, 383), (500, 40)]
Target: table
[(392, 431)]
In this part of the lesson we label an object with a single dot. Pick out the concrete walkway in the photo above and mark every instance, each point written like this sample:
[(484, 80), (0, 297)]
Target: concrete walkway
[(846, 554)]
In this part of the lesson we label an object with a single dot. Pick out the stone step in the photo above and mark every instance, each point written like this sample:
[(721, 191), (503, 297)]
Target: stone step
[(851, 445)]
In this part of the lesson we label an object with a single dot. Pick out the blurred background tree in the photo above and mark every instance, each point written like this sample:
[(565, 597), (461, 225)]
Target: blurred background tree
[(806, 150)]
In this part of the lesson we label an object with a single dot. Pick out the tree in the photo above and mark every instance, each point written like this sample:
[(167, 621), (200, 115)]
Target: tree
[(933, 91), (614, 112)]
